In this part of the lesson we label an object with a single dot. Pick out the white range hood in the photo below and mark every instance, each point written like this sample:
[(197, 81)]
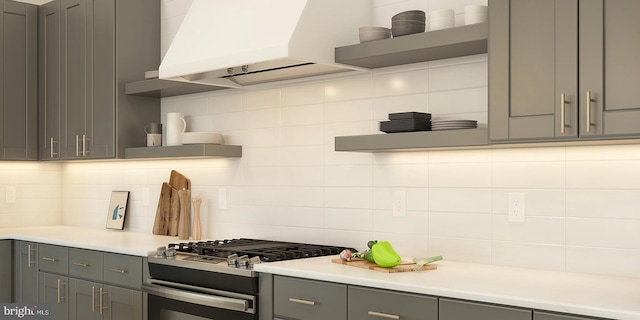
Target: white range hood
[(233, 43)]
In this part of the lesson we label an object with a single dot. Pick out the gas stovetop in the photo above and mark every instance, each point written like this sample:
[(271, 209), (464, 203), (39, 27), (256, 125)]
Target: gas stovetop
[(236, 256)]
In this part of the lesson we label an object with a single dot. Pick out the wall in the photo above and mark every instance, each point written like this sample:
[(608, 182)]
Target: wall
[(582, 203)]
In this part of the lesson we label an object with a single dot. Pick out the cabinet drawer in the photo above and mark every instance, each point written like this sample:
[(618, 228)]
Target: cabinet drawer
[(85, 264), (122, 270), (368, 304), (309, 300), (456, 309), (53, 259)]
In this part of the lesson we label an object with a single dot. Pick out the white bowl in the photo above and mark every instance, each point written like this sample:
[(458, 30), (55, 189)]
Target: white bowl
[(201, 137), (441, 23)]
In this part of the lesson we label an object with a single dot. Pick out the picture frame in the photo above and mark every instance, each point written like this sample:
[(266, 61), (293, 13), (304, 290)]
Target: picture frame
[(117, 209)]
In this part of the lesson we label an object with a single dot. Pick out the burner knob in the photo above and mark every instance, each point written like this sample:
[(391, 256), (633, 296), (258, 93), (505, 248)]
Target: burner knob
[(171, 252)]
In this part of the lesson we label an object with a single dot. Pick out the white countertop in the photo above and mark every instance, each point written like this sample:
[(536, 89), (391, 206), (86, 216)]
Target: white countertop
[(117, 241), (582, 294)]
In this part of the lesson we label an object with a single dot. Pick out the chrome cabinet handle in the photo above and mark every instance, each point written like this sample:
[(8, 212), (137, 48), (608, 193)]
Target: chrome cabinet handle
[(80, 264), (301, 301), (93, 299), (51, 143), (49, 259), (102, 293), (60, 297), (383, 315), (589, 100), (563, 106), (29, 261), (84, 145), (77, 146), (118, 270)]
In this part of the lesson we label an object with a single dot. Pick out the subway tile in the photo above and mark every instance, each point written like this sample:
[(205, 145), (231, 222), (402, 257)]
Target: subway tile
[(460, 175), (333, 158), (262, 118), (471, 75), (344, 89), (300, 217), (349, 238), (535, 230), (348, 176), (224, 122), (260, 99), (303, 135), (400, 83), (383, 106), (255, 176), (348, 197), (349, 111), (309, 176), (623, 174), (539, 202), (263, 137), (529, 154), (187, 105), (348, 219), (401, 175), (417, 199), (460, 156), (310, 93), (398, 158), (333, 130), (529, 175), (605, 233), (606, 204), (261, 156), (460, 225), (458, 101), (223, 103), (528, 255), (303, 155), (461, 200), (302, 115), (604, 261), (413, 223), (458, 249), (612, 152)]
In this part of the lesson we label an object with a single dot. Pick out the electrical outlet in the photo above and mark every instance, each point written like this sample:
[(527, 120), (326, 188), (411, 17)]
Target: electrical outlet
[(516, 207), (399, 204)]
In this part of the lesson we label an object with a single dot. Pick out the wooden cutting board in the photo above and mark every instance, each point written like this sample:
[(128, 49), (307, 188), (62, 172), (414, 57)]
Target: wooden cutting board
[(364, 264), (168, 212), (161, 223)]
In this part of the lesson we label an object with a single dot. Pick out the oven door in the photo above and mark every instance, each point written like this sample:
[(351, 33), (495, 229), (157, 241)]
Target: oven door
[(171, 301)]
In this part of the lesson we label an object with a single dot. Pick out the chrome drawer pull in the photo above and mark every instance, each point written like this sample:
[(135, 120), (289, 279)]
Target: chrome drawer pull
[(383, 315), (80, 264), (307, 302), (49, 259), (589, 100), (118, 270), (563, 103), (102, 307), (29, 262), (60, 296)]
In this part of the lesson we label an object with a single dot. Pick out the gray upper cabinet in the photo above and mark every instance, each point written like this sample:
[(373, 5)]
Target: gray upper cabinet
[(575, 77), (102, 45), (19, 81)]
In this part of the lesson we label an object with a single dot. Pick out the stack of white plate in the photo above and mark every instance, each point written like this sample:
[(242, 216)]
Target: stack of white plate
[(453, 124), (201, 137)]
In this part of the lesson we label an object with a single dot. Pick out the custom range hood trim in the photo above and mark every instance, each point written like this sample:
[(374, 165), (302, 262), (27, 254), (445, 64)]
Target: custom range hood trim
[(232, 43)]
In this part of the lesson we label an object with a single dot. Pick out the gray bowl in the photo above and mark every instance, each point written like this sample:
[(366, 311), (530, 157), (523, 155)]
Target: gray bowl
[(367, 34), (402, 28), (414, 14)]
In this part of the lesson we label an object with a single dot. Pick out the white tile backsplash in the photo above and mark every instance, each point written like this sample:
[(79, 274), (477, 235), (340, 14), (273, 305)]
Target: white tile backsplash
[(583, 212)]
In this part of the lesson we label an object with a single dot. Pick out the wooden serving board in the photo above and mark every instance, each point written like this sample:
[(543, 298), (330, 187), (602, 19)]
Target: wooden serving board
[(403, 267)]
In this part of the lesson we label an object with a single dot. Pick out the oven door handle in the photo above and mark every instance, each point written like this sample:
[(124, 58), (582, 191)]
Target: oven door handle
[(197, 298)]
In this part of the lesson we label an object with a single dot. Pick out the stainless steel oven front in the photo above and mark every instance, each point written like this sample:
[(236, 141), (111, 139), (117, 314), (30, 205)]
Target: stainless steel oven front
[(172, 301)]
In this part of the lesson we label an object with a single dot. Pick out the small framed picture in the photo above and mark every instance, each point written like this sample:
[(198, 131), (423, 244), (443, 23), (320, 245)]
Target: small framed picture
[(117, 209)]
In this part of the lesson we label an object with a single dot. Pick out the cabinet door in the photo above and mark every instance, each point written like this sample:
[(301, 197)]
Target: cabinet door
[(308, 300), (25, 272), (19, 81), (49, 57), (73, 74), (101, 107), (609, 68), (83, 302), (533, 66), (367, 304), (6, 271), (461, 310), (54, 290), (121, 304)]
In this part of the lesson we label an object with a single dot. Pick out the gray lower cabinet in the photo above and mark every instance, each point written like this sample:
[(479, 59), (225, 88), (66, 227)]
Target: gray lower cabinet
[(54, 291), (25, 268), (308, 299), (18, 81), (91, 49), (540, 315), (367, 304), (92, 300), (575, 77), (6, 271), (462, 310)]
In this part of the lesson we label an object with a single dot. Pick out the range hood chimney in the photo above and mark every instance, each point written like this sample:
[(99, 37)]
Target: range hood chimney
[(233, 43)]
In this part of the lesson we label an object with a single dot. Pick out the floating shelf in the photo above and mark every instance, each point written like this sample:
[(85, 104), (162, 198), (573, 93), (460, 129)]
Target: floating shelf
[(414, 141), (184, 151), (158, 88), (418, 47)]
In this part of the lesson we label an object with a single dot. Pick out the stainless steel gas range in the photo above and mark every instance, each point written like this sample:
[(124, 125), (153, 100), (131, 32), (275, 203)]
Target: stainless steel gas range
[(215, 279)]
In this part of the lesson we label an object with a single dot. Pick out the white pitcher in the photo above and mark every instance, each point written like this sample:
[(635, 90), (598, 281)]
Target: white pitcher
[(176, 125)]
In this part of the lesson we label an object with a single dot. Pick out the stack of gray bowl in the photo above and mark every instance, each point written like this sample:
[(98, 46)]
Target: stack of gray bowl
[(408, 22)]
